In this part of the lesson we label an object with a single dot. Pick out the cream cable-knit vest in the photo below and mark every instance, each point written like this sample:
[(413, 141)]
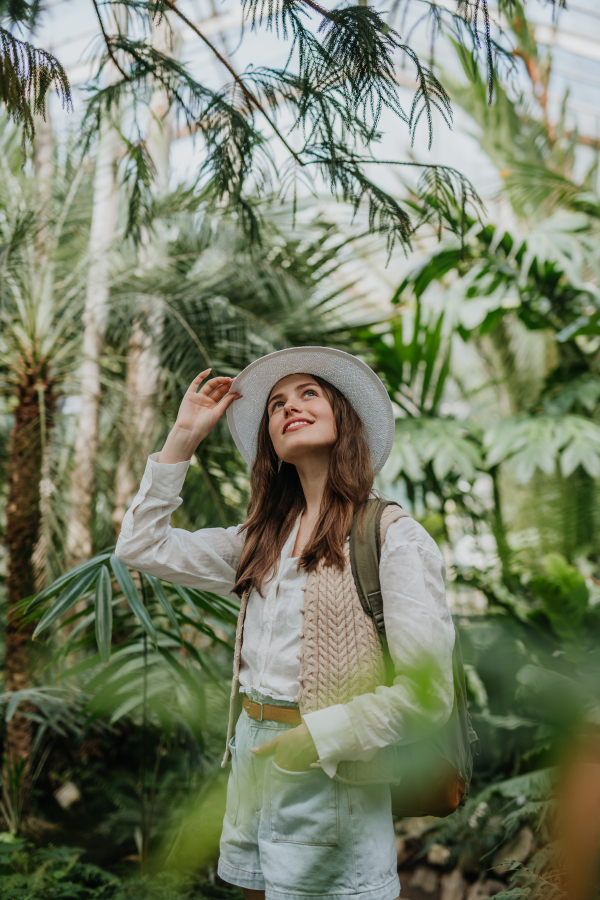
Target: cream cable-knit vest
[(340, 654)]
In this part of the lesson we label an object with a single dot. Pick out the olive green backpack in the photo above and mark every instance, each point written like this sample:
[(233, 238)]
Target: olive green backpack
[(435, 773)]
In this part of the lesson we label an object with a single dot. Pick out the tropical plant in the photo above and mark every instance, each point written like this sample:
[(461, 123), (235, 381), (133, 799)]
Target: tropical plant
[(153, 654), (60, 873), (40, 312), (343, 81), (492, 360), (526, 300), (27, 73)]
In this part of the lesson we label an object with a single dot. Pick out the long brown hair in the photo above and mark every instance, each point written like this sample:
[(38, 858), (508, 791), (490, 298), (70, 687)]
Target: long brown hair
[(277, 498)]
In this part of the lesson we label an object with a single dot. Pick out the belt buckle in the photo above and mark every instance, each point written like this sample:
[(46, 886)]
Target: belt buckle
[(261, 709), (256, 703)]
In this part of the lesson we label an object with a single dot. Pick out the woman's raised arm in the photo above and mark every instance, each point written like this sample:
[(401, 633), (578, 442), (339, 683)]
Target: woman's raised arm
[(205, 559), (199, 412)]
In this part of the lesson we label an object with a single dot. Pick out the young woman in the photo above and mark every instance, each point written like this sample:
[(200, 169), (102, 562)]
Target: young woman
[(308, 800)]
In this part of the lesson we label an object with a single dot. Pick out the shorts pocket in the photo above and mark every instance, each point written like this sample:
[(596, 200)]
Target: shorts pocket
[(303, 807), (233, 789)]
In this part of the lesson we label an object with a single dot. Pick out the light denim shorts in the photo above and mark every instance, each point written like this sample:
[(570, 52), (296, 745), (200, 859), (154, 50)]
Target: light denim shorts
[(301, 834)]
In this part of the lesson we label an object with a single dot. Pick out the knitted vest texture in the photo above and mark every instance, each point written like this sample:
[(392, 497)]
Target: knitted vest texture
[(340, 654)]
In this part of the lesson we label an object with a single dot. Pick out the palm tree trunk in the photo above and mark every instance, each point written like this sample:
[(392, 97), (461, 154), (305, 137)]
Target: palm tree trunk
[(102, 232), (28, 458), (43, 167), (143, 369), (32, 418)]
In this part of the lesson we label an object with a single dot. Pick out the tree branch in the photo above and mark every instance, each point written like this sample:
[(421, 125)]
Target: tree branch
[(247, 93), (108, 43), (323, 12)]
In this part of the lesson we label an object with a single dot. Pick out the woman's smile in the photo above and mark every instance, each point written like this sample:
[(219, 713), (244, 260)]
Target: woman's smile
[(295, 424)]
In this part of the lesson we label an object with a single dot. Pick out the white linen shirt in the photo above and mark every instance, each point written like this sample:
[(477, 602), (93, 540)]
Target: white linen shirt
[(418, 622)]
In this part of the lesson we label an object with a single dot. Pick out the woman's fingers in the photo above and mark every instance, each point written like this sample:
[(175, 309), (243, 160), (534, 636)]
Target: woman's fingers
[(213, 383), (220, 390), (197, 381), (224, 405), (267, 749)]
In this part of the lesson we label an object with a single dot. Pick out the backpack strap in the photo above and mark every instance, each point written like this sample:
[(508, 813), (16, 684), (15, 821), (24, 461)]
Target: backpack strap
[(365, 553)]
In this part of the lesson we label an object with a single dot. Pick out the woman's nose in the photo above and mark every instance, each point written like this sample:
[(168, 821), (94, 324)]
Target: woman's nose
[(291, 406)]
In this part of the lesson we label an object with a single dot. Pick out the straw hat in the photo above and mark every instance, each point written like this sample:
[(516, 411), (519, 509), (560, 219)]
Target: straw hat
[(359, 384)]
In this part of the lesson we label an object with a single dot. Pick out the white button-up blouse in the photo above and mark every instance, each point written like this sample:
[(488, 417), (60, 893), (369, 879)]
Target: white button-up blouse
[(419, 625)]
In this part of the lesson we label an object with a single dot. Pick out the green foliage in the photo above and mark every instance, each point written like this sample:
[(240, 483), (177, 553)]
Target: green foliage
[(416, 369), (539, 879), (443, 445), (59, 873), (27, 73), (104, 613), (502, 466), (564, 594), (543, 442), (484, 461), (166, 679), (51, 874), (536, 159), (338, 79)]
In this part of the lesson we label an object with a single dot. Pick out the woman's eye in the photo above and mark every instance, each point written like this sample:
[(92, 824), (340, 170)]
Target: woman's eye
[(309, 392)]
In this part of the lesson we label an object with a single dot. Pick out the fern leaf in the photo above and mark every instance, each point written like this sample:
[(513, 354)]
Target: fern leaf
[(26, 75)]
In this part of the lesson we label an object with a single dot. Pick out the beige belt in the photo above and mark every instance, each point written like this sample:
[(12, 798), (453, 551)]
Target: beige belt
[(290, 715)]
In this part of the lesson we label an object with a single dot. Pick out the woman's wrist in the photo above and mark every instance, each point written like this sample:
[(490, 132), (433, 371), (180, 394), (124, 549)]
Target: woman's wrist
[(180, 446)]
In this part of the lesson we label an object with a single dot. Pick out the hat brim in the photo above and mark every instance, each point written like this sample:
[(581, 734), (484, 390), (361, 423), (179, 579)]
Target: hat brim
[(359, 384)]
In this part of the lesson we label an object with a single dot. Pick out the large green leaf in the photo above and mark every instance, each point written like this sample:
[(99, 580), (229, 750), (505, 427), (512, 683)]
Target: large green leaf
[(445, 443), (542, 442), (161, 596), (104, 613), (67, 599), (80, 667), (131, 595), (56, 586), (538, 784), (187, 598), (580, 439), (432, 269)]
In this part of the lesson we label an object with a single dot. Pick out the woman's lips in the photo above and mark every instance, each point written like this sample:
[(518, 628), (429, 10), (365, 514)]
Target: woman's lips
[(294, 426)]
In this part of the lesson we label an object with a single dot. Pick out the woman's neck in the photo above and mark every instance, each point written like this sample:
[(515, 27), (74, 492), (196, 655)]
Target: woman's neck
[(313, 478)]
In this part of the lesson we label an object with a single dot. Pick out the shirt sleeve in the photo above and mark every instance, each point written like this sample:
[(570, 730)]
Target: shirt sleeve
[(420, 635), (205, 559)]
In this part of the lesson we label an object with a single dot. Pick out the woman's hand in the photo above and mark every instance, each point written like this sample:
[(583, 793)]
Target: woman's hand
[(294, 749), (198, 414)]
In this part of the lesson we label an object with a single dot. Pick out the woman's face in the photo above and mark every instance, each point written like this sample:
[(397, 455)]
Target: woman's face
[(301, 420)]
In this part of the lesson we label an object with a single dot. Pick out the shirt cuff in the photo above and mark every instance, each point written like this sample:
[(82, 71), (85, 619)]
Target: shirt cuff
[(163, 480), (332, 732)]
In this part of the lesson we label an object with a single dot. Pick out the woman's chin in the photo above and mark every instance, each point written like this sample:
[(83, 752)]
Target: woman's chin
[(300, 449)]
